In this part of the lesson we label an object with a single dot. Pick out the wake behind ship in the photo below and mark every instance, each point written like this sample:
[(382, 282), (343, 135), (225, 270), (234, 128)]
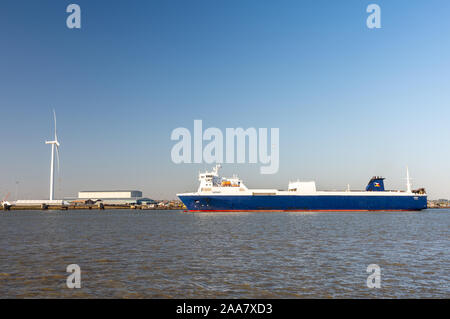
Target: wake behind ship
[(221, 194)]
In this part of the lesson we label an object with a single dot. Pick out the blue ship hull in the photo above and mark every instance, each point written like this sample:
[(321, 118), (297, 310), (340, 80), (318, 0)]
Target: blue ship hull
[(304, 202)]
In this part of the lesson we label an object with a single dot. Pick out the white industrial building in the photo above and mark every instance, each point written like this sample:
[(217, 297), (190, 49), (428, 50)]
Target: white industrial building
[(109, 194), (115, 197)]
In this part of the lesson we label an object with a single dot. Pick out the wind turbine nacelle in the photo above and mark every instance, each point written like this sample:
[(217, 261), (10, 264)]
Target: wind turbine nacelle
[(52, 142)]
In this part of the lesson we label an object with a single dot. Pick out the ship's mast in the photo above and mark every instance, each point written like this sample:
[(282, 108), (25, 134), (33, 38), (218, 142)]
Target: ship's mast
[(216, 169), (408, 182)]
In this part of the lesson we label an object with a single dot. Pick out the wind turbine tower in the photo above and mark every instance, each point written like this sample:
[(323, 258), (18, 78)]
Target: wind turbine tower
[(55, 144)]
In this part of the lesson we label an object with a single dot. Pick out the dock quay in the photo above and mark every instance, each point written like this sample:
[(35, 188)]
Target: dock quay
[(161, 205)]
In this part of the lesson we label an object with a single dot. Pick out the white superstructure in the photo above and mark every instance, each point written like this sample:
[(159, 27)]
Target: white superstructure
[(213, 184)]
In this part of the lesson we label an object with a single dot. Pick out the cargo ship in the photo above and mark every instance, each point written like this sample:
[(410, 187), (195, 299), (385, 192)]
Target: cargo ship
[(220, 194)]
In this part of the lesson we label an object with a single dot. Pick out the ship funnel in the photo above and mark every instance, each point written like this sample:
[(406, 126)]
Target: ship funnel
[(376, 184)]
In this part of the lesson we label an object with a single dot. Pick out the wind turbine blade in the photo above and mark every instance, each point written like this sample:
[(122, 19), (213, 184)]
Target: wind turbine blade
[(54, 117)]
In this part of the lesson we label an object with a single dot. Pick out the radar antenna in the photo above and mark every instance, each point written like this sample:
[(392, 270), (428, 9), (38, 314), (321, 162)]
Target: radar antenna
[(216, 169)]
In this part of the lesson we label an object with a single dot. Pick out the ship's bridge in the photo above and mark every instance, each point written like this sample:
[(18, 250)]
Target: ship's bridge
[(211, 181)]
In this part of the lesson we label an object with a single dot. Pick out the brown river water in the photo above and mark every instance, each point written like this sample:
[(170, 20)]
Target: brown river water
[(174, 254)]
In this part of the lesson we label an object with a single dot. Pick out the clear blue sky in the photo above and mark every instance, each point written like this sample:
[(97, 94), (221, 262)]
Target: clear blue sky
[(350, 102)]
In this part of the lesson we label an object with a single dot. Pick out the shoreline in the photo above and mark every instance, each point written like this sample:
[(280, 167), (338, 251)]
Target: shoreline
[(110, 207), (87, 207)]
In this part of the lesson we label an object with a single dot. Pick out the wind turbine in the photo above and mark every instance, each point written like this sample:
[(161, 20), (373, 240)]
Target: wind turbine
[(54, 144)]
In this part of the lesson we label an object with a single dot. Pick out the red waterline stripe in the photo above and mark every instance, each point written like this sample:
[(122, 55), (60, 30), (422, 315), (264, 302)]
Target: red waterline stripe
[(307, 210)]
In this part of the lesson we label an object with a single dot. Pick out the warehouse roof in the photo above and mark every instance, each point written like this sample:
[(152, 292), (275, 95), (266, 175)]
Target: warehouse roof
[(111, 191)]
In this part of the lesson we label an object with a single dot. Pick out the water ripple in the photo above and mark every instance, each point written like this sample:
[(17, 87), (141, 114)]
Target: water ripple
[(171, 254)]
